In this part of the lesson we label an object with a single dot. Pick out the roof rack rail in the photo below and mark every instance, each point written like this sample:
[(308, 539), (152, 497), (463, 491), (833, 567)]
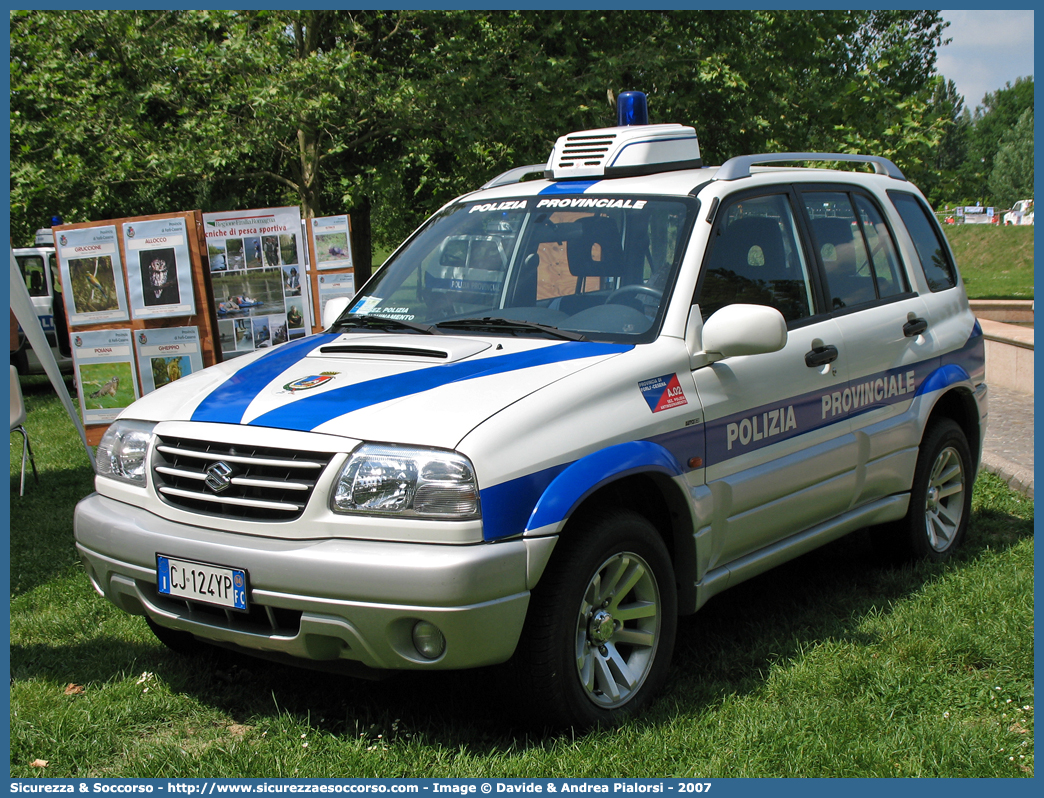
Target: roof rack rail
[(739, 167), (515, 175)]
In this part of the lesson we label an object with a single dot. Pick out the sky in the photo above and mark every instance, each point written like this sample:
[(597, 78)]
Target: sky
[(989, 49)]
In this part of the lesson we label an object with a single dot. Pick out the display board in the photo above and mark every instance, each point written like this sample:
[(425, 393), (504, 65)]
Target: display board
[(330, 251), (258, 278), (137, 297)]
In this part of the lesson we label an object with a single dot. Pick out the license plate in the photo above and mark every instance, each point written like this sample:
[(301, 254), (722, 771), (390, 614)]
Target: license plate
[(198, 581)]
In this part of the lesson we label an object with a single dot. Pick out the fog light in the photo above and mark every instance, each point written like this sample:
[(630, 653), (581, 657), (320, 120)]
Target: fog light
[(428, 640)]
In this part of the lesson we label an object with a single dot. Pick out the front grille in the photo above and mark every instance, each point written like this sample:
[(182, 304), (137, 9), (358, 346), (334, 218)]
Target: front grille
[(235, 481), (585, 150)]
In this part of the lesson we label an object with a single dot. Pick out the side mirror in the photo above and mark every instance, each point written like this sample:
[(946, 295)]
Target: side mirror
[(334, 308), (735, 330)]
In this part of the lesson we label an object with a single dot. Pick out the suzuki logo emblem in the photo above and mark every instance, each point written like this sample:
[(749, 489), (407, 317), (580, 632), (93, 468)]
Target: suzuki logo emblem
[(219, 477)]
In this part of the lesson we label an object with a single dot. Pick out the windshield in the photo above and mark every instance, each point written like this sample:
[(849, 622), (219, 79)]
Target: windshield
[(597, 268)]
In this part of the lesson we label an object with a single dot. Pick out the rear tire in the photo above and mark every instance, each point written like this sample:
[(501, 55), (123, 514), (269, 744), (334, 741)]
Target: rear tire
[(940, 499), (600, 630)]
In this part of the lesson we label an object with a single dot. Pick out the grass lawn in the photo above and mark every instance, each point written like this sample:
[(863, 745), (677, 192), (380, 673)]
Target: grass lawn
[(836, 664), (996, 262)]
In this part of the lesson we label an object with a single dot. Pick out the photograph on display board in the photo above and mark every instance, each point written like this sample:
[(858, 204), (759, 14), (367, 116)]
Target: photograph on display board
[(270, 251), (159, 267), (92, 275), (331, 247), (93, 285), (167, 369), (159, 276), (226, 334), (106, 386), (235, 255), (294, 313), (244, 335), (279, 331), (254, 292), (288, 249), (217, 256), (252, 252), (105, 376), (292, 281), (167, 354)]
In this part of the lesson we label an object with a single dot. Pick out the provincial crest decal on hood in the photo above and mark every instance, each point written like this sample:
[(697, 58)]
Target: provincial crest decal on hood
[(307, 383)]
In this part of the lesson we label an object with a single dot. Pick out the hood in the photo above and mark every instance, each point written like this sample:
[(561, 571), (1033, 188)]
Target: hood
[(420, 389)]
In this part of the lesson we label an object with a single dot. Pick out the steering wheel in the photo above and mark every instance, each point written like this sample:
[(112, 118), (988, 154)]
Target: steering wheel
[(638, 290)]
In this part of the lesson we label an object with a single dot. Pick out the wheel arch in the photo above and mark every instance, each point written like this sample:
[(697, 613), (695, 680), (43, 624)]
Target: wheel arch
[(959, 404), (640, 476)]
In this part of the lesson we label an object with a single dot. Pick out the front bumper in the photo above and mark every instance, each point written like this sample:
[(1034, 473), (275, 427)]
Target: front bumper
[(329, 600)]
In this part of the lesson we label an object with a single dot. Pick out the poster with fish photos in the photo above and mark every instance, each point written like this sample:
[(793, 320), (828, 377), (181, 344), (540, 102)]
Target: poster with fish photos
[(104, 363), (159, 268), (92, 275), (258, 277), (166, 355), (333, 244)]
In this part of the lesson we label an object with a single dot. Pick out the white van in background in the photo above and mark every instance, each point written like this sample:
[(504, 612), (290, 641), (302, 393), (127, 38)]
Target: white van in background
[(1022, 213), (39, 267)]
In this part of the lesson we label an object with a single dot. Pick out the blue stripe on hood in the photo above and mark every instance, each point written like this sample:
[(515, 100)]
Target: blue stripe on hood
[(309, 412), (230, 400)]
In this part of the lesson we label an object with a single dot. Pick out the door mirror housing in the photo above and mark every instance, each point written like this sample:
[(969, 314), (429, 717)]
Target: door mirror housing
[(334, 308), (734, 330)]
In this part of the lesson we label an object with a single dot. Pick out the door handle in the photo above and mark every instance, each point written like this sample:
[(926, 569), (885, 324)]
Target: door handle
[(820, 356), (914, 327)]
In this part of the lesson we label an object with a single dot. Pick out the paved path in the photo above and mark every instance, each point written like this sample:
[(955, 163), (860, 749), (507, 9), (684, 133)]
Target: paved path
[(1008, 451)]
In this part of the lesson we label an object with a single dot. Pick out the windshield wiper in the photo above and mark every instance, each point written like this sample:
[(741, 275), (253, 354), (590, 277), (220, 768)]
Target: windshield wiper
[(509, 325), (369, 321)]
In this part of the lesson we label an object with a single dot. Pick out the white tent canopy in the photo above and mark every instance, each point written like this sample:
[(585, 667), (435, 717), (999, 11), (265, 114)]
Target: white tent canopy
[(25, 313)]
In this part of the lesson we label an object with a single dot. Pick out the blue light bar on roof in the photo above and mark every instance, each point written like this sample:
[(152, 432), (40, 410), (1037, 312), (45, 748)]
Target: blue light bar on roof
[(631, 109)]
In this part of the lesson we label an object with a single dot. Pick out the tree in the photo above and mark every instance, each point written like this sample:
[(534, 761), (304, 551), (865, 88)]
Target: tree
[(148, 111), (1012, 175), (999, 113), (200, 109)]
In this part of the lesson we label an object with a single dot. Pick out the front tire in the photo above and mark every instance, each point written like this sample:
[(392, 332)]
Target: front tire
[(601, 625)]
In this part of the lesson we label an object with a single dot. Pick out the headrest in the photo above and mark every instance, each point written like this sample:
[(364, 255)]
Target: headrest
[(597, 253)]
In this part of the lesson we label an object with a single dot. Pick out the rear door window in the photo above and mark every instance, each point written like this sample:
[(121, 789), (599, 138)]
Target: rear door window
[(854, 245)]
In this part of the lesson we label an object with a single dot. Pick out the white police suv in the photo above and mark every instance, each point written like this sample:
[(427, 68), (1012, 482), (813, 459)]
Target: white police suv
[(565, 412)]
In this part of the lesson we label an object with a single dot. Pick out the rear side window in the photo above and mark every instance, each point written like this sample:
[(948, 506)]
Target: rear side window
[(938, 269), (855, 247)]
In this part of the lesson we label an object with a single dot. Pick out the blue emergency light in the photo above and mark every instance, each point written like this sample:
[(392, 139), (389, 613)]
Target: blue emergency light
[(631, 109)]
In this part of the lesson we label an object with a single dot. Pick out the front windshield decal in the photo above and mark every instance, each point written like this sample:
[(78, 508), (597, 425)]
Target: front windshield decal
[(365, 305), (509, 205), (591, 202)]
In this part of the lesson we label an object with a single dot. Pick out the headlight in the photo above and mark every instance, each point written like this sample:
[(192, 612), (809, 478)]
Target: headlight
[(400, 480), (122, 451)]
